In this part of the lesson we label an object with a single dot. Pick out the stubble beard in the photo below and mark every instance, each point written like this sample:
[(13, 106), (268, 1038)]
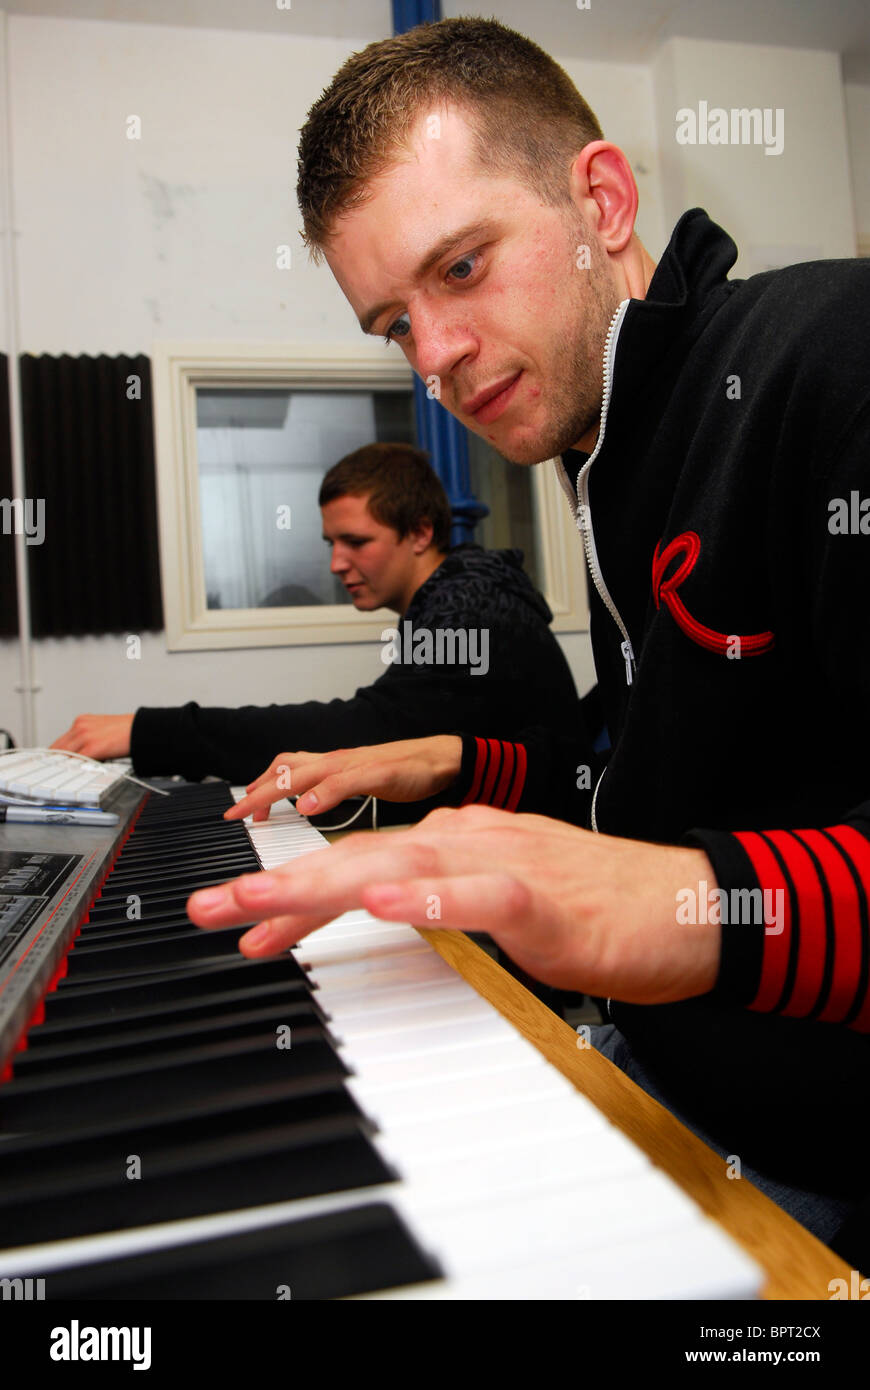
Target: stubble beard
[(575, 389)]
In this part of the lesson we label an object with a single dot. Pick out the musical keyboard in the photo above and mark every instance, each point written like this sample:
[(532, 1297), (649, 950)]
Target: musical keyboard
[(348, 1119)]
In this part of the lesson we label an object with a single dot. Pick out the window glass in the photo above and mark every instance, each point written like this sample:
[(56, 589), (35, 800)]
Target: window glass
[(506, 488), (262, 454)]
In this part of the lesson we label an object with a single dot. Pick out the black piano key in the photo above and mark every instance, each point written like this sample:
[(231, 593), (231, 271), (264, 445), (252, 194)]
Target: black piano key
[(211, 1028), (162, 884), (173, 852), (284, 1163), (214, 1115), (151, 1087), (353, 1251), (109, 961), (178, 831), (37, 1161), (73, 998), (150, 925), (115, 1022), (181, 852), (173, 898), (124, 933)]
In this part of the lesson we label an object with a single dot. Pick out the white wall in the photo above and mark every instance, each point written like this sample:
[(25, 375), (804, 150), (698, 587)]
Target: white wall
[(623, 99), (858, 127), (779, 208), (172, 235)]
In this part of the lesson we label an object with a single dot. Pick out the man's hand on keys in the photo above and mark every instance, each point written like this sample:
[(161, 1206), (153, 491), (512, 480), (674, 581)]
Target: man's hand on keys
[(577, 910)]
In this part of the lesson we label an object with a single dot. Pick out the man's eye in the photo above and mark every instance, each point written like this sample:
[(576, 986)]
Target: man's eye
[(461, 270), (400, 329)]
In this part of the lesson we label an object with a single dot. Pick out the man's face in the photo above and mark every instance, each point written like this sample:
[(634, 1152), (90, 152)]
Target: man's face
[(478, 282), (375, 567)]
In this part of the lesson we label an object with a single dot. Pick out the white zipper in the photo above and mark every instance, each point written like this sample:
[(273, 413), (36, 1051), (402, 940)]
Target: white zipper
[(583, 515)]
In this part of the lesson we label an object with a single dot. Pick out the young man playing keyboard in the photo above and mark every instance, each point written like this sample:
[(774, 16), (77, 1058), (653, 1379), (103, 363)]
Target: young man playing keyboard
[(469, 207)]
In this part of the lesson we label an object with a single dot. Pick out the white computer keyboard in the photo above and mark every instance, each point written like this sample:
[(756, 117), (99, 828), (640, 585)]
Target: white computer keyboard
[(47, 775)]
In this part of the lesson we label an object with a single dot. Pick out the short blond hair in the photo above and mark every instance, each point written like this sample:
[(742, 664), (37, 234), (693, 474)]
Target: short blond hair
[(527, 117)]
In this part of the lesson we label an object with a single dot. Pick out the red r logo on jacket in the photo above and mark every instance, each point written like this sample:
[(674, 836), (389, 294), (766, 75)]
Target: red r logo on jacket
[(687, 548)]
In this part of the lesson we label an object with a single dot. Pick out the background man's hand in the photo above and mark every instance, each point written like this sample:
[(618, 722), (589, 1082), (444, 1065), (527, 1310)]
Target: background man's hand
[(98, 735), (586, 912), (408, 770)]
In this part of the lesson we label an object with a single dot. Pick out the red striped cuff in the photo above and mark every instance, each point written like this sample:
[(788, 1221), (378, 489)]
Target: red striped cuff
[(817, 965), (499, 774)]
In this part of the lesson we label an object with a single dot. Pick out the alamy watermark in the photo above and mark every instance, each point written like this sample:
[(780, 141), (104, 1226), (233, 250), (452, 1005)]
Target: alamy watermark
[(77, 1343), (856, 1288), (849, 517), (23, 516), (741, 125), (446, 646), (24, 1290), (736, 907)]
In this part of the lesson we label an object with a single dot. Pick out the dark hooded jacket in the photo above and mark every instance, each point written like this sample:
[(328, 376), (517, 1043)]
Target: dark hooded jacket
[(474, 649), (726, 514)]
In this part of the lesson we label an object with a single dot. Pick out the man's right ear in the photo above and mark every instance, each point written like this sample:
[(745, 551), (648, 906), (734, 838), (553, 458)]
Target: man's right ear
[(601, 176), (421, 536)]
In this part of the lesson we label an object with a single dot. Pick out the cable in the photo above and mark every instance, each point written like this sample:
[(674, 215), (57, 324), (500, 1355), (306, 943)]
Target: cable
[(328, 829)]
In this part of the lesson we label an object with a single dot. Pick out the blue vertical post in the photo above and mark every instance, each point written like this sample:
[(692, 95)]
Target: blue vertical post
[(439, 432)]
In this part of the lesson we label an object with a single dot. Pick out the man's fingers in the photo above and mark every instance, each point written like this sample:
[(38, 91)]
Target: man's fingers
[(269, 775), (74, 743), (302, 888), (313, 796), (466, 902), (278, 934), (256, 803), (283, 762), (71, 741), (289, 775), (98, 736), (322, 796)]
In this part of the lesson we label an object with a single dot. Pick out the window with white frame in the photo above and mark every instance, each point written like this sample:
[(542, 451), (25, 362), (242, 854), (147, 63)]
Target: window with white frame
[(244, 435)]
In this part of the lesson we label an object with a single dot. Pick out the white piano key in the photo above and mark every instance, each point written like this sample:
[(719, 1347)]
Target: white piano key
[(486, 1055), (346, 978), (436, 1013), (344, 951), (357, 920), (427, 1041), (359, 933), (565, 1221), (398, 1106), (697, 1262), (516, 1175), (551, 1118), (391, 998)]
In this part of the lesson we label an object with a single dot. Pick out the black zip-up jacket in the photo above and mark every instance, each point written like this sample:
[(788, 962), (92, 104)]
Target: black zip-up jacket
[(471, 590), (735, 447)]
